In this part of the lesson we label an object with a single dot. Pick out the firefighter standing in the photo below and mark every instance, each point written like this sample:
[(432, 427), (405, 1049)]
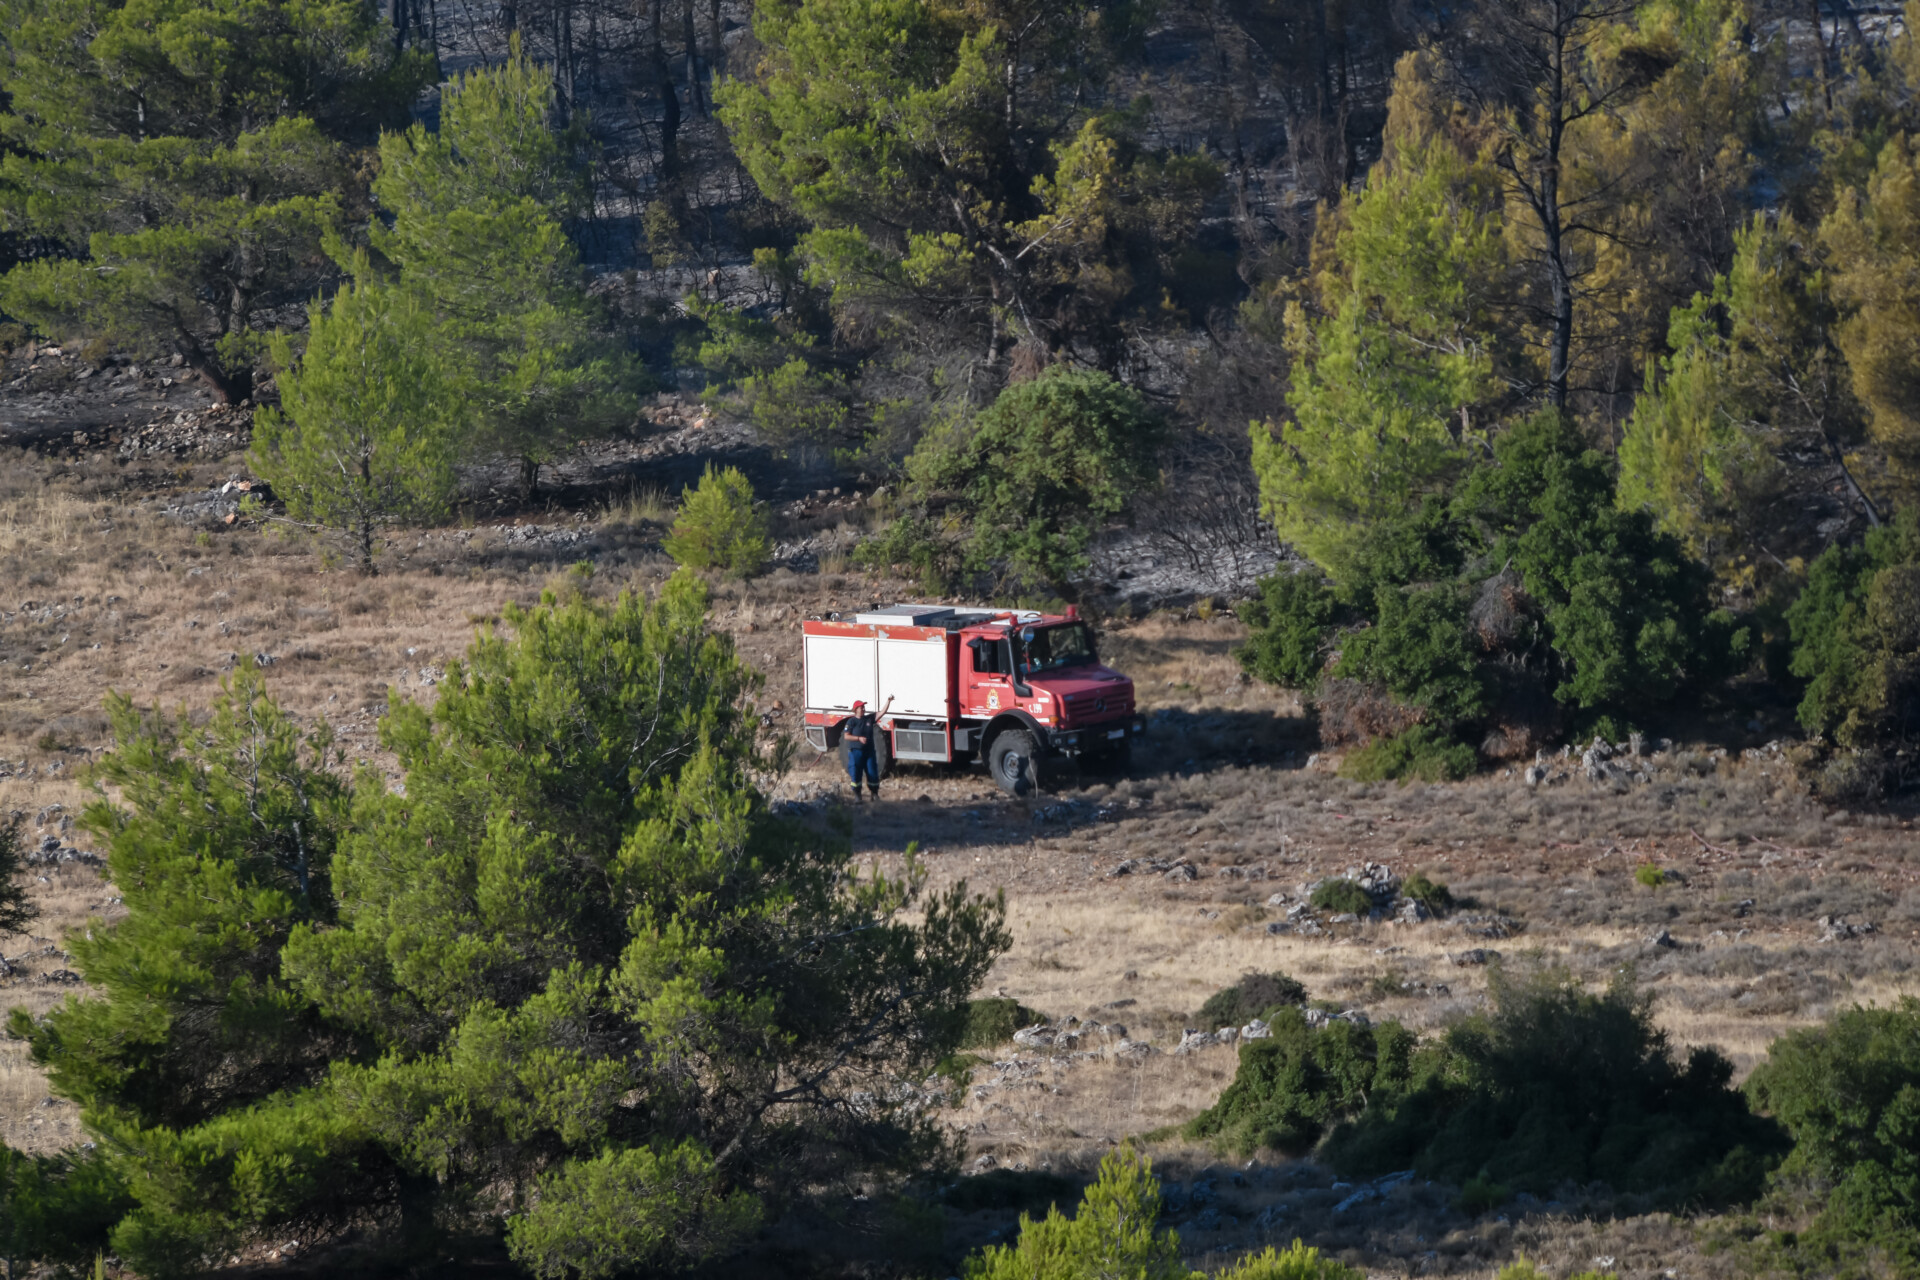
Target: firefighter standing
[(861, 733)]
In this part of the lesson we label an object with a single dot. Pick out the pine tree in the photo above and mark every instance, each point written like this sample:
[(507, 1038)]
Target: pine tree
[(189, 1066), (17, 909), (1752, 412), (363, 437), (1874, 237), (1398, 350), (478, 208), (954, 179), (1112, 1234), (192, 159), (600, 976)]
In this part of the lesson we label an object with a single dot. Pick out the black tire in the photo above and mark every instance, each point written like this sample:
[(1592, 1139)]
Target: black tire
[(882, 751), (1014, 763)]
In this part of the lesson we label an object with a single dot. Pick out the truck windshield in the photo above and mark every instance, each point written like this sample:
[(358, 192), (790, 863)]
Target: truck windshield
[(1052, 648)]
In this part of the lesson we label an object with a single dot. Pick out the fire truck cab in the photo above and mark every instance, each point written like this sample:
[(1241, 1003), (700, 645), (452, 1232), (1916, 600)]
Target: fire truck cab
[(1015, 689)]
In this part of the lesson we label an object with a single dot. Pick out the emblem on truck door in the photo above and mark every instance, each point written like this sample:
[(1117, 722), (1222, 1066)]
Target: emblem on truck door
[(993, 699)]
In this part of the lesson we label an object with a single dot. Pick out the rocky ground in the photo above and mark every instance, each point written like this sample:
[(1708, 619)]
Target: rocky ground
[(1131, 899)]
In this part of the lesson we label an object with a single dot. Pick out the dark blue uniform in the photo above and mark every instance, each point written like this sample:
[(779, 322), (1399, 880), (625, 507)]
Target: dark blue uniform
[(863, 757)]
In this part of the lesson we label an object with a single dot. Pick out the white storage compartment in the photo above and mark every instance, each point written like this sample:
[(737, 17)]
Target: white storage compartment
[(840, 671), (914, 674)]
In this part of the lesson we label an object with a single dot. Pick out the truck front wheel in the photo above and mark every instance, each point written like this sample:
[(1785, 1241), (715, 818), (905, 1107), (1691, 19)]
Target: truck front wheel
[(1013, 762)]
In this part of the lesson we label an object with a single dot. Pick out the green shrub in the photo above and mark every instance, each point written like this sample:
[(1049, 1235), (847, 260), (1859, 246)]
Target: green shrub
[(1423, 753), (1854, 777), (1111, 1235), (1420, 649), (1024, 488), (1628, 613), (993, 1021), (1431, 894), (1296, 1262), (1649, 875), (1559, 1084), (1554, 1084), (1287, 626), (1856, 638), (719, 526), (1293, 1086), (1341, 895), (1849, 1094), (1478, 1195), (1256, 995)]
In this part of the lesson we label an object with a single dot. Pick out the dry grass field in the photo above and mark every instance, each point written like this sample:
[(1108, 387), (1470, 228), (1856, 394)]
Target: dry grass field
[(101, 589)]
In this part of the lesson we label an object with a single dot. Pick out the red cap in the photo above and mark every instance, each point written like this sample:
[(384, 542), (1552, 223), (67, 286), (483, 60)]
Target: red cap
[(857, 704)]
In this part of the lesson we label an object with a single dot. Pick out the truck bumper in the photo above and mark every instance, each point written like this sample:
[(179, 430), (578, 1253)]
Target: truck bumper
[(1094, 737)]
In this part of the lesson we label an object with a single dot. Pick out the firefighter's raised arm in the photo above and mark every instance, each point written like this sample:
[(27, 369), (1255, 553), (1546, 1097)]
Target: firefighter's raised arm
[(889, 703)]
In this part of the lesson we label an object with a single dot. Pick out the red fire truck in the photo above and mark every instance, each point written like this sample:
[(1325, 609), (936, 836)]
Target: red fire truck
[(1015, 689)]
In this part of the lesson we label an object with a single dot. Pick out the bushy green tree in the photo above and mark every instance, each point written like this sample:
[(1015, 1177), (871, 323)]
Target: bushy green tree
[(774, 371), (1872, 235), (1287, 626), (1393, 356), (719, 525), (190, 1066), (191, 157), (1554, 1084), (1027, 485), (1419, 649), (1298, 1261), (1296, 1084), (1752, 407), (594, 968), (1848, 1092), (1627, 611), (478, 209), (1856, 638), (364, 435)]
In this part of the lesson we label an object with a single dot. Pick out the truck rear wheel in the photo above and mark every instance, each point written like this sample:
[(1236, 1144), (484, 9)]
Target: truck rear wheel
[(1014, 763)]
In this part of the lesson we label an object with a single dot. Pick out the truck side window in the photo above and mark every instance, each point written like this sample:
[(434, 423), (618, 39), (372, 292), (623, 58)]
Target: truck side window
[(987, 656)]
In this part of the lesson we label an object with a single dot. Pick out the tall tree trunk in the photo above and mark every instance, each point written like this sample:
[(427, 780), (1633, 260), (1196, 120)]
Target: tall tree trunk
[(696, 97), (1820, 56), (716, 44), (669, 116)]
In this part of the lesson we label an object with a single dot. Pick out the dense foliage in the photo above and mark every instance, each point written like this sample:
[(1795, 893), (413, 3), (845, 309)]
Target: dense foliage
[(1028, 483), (1555, 1085), (1856, 634), (1849, 1093), (193, 158), (1528, 601), (719, 527), (1256, 995)]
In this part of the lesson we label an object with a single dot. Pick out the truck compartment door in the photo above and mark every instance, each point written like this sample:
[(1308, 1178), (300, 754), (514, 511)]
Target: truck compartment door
[(914, 674), (840, 671)]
